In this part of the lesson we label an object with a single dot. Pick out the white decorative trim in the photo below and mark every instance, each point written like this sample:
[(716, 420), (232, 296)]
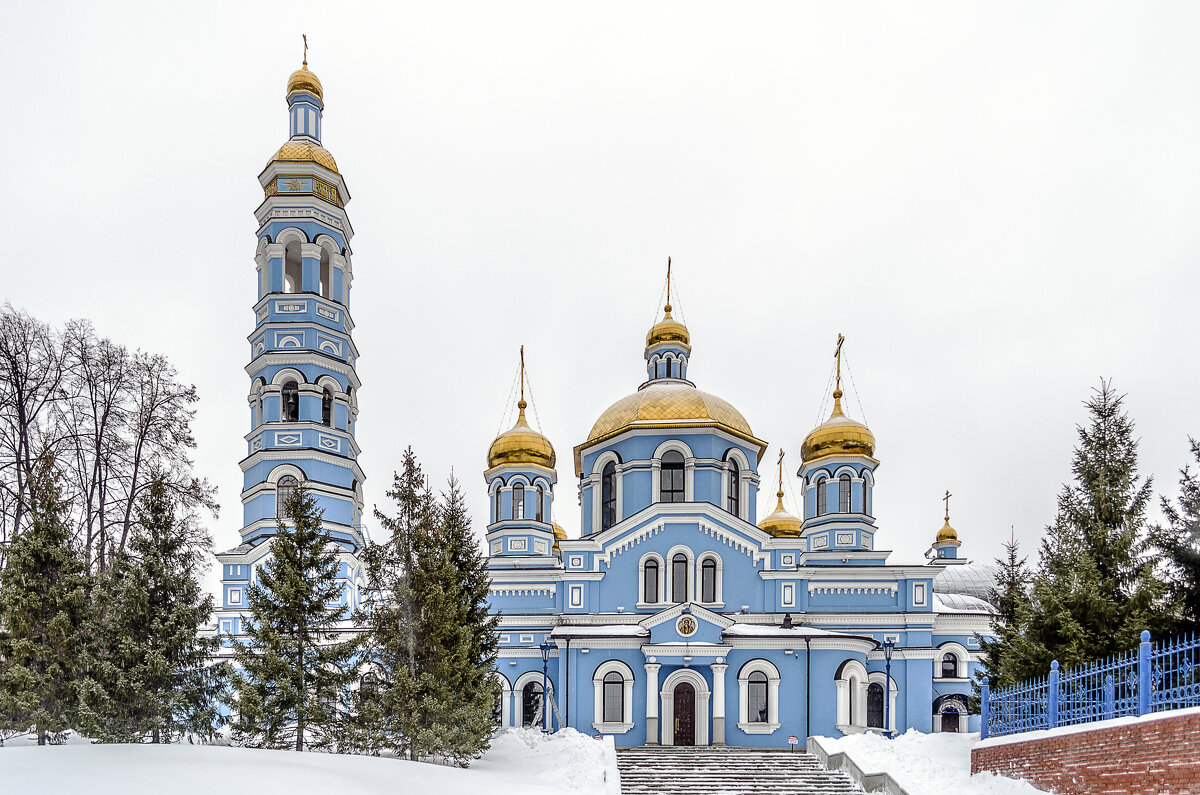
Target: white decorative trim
[(703, 696), (615, 727)]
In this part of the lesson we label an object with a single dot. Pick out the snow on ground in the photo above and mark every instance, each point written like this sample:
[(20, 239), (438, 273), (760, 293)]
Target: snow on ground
[(519, 762), (925, 764)]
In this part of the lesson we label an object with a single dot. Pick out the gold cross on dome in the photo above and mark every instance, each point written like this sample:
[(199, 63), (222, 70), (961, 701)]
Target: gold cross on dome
[(837, 354), (947, 499), (305, 37)]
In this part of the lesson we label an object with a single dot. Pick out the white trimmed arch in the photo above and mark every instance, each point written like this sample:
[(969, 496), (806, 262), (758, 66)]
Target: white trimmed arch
[(851, 684), (718, 584), (596, 484), (962, 657), (524, 679), (288, 374), (626, 673), (506, 696), (772, 673), (689, 594), (889, 690), (689, 469), (654, 599), (703, 696)]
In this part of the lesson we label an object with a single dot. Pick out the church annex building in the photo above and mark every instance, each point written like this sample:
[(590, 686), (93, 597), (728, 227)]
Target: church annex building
[(674, 618)]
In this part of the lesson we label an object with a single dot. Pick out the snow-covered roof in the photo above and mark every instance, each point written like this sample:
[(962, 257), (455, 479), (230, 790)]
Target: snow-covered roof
[(601, 631), (972, 579), (960, 603), (776, 631)]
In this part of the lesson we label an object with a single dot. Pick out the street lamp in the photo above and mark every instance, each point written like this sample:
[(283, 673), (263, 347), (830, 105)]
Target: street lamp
[(888, 646), (546, 648)]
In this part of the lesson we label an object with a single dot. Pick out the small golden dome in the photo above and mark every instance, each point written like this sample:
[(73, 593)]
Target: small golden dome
[(521, 444), (947, 533), (306, 152), (838, 435), (781, 524), (559, 534), (304, 80), (668, 330)]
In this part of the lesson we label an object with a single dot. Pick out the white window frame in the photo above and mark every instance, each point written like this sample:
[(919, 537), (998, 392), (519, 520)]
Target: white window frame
[(960, 652), (602, 670), (853, 678), (772, 725), (659, 599), (718, 584), (689, 470), (669, 579), (596, 484), (889, 691)]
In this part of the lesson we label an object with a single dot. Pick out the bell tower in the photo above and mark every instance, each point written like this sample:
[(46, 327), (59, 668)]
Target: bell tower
[(302, 402)]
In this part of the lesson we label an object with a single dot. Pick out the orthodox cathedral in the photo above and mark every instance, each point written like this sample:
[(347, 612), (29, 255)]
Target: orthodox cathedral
[(675, 618)]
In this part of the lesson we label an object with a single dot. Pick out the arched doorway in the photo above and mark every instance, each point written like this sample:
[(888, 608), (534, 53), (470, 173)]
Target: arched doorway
[(685, 714), (949, 719)]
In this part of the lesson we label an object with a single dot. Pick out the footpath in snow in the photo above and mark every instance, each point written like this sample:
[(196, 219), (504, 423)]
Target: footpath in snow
[(519, 762), (925, 764)]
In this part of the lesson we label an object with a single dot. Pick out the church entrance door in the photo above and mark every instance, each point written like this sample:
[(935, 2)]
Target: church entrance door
[(685, 714)]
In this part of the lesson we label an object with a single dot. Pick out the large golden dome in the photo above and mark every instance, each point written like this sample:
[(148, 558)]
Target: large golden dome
[(838, 435), (304, 80), (305, 151), (521, 444), (668, 330), (781, 524)]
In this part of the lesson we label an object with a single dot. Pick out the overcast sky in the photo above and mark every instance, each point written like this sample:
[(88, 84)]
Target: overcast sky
[(996, 203)]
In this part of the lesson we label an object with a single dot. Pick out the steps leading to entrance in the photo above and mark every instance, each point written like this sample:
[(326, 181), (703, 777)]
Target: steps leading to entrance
[(665, 770)]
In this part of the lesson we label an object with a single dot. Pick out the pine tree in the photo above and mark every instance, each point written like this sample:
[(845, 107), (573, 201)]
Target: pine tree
[(1010, 597), (153, 665), (43, 617), (1095, 589), (1179, 539), (386, 704), (294, 667)]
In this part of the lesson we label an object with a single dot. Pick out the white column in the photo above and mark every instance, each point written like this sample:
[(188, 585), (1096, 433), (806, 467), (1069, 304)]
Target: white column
[(652, 703), (718, 670)]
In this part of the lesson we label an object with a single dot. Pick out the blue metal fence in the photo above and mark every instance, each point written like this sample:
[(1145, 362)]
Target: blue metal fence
[(1150, 678)]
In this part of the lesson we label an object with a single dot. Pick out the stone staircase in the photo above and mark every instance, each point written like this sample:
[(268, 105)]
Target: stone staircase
[(716, 770)]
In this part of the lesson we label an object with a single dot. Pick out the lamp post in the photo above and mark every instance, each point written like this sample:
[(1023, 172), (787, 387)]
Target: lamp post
[(888, 647), (546, 648)]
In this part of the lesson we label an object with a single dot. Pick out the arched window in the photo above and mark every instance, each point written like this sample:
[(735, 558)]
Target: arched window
[(650, 581), (735, 488), (326, 275), (865, 508), (531, 704), (540, 509), (614, 698), (290, 395), (708, 580), (671, 479), (291, 268), (327, 407), (608, 496), (518, 506), (844, 493), (949, 665), (496, 512), (821, 495), (875, 705), (369, 683), (283, 492), (756, 698), (679, 567)]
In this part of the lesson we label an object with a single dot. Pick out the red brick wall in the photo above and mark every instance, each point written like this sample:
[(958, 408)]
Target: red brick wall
[(1159, 756)]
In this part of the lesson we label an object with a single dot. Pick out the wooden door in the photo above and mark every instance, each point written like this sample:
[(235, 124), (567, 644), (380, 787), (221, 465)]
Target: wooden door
[(685, 714)]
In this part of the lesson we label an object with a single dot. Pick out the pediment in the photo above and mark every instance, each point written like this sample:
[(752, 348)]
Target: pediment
[(671, 625)]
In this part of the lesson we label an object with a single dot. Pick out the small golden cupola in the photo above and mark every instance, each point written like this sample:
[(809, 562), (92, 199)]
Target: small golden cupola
[(781, 524), (838, 435), (521, 444), (945, 547), (306, 103)]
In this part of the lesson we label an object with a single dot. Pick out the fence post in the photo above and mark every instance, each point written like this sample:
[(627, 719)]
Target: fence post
[(1109, 697), (1052, 696), (985, 709), (1144, 674)]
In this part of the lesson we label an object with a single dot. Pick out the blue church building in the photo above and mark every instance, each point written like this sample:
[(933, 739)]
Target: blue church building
[(676, 619)]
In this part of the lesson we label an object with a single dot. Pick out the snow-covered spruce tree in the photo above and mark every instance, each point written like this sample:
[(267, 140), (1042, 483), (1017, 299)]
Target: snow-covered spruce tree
[(43, 616), (153, 666), (1179, 539), (385, 705), (1095, 589), (294, 665), (456, 639), (1010, 597)]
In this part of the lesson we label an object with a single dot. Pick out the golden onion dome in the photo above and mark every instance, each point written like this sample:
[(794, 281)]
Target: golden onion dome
[(307, 152), (838, 435), (947, 533), (781, 524), (304, 80), (559, 534), (521, 444), (668, 330)]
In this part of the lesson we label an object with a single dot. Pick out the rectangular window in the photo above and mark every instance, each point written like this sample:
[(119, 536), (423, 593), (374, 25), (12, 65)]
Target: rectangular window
[(614, 699)]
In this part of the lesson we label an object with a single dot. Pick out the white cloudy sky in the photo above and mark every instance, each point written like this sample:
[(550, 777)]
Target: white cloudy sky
[(996, 203)]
